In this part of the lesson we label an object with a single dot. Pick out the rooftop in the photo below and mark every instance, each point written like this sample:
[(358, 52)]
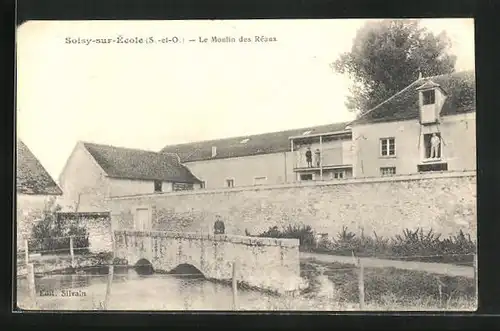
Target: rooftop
[(459, 87), (31, 176), (129, 163), (274, 142)]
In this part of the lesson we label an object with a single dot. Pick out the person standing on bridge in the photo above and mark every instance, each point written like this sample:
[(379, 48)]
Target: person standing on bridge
[(219, 227)]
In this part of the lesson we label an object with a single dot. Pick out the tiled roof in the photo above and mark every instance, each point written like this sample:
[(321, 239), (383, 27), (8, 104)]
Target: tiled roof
[(460, 89), (266, 143), (31, 176), (127, 163)]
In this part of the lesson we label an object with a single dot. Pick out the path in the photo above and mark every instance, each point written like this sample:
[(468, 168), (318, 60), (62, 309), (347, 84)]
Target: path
[(435, 268)]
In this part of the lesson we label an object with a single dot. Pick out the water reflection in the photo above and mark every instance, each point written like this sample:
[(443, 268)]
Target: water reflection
[(132, 291)]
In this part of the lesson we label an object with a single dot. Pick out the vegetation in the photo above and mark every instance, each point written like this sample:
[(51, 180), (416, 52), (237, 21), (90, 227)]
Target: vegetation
[(387, 55), (304, 233), (390, 286), (414, 245), (51, 235)]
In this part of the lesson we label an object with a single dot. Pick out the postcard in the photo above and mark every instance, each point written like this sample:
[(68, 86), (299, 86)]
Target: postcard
[(246, 165)]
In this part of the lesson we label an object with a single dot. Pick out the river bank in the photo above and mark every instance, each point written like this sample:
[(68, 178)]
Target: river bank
[(330, 286), (390, 288)]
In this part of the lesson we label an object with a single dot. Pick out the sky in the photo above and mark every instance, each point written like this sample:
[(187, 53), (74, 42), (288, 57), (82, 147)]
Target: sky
[(148, 96)]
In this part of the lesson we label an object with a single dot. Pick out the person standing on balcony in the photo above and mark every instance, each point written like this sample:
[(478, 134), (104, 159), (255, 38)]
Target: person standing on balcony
[(317, 155), (309, 157)]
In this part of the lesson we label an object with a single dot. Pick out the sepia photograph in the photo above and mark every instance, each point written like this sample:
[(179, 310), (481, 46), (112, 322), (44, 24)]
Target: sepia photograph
[(246, 165)]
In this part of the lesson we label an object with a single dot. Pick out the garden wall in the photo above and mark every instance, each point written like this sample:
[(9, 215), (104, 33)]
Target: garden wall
[(445, 202), (98, 226)]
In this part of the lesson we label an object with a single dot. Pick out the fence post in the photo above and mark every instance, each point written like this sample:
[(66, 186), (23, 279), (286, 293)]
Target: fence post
[(108, 287), (235, 286), (31, 284), (71, 251), (361, 284), (26, 252)]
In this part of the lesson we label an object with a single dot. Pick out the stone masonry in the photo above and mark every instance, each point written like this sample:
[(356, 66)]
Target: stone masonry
[(262, 262), (443, 202)]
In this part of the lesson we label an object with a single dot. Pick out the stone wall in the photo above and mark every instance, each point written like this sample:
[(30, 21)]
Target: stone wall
[(445, 202), (98, 226), (29, 210), (262, 262)]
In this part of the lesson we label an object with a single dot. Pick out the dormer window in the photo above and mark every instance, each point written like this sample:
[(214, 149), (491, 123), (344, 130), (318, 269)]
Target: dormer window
[(429, 97), (306, 133), (244, 141)]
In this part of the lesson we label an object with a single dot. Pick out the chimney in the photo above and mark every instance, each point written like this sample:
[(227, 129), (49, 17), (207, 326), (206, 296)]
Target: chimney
[(214, 151)]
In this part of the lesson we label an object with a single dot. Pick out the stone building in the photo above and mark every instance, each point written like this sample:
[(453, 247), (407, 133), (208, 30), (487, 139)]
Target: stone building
[(270, 158), (93, 173), (396, 137), (34, 188)]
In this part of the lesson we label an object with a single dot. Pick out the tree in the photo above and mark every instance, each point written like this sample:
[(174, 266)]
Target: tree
[(387, 56)]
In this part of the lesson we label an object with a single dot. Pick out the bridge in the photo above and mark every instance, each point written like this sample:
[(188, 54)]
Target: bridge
[(266, 263)]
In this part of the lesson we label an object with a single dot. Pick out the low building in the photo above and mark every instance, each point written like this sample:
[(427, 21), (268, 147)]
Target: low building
[(270, 158), (93, 173), (428, 126), (34, 189)]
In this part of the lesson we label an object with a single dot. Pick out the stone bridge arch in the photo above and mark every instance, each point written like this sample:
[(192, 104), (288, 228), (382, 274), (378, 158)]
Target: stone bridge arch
[(263, 262)]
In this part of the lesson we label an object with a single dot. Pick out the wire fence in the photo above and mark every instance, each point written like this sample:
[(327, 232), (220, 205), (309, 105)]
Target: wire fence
[(350, 283)]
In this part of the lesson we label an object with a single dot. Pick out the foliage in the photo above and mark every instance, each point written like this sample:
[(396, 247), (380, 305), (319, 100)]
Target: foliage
[(50, 235), (387, 55), (412, 245), (304, 233)]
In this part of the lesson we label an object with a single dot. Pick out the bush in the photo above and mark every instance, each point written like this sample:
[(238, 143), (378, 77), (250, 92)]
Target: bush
[(304, 233), (51, 235), (409, 245)]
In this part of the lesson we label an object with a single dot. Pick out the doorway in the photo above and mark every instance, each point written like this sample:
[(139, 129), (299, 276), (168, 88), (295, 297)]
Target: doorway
[(142, 219)]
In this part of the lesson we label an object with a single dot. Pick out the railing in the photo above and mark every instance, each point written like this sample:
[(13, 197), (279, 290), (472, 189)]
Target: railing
[(328, 157)]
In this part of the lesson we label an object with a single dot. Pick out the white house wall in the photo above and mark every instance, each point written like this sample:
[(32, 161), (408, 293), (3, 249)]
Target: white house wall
[(276, 167), (458, 132), (83, 183)]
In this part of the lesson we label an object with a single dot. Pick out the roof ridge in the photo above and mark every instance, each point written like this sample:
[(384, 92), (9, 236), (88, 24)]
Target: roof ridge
[(425, 79), (388, 99), (256, 134), (119, 147)]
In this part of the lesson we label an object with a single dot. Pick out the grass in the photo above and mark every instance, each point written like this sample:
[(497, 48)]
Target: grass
[(390, 288)]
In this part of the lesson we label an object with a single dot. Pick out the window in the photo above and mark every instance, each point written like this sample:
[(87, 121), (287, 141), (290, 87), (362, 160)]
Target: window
[(387, 147), (230, 182), (157, 186), (432, 146), (214, 151), (338, 174), (306, 177), (182, 186), (387, 171), (259, 180), (203, 184), (429, 97)]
